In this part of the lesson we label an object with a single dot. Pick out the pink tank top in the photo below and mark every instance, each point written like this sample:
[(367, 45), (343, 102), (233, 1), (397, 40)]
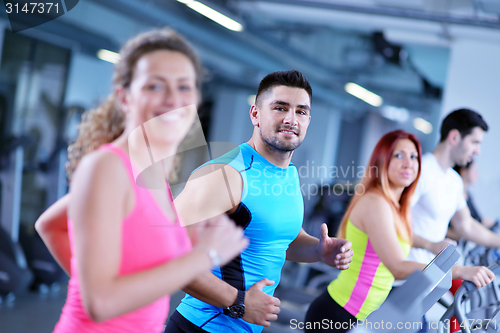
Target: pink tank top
[(149, 239)]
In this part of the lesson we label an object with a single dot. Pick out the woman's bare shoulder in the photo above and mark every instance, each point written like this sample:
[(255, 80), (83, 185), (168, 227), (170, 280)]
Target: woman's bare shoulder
[(101, 165), (372, 202)]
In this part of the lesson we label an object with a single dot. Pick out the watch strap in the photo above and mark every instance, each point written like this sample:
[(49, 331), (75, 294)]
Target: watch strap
[(240, 302), (240, 299)]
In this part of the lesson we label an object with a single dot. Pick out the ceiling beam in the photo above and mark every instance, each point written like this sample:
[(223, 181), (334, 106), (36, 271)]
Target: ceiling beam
[(261, 55), (395, 12)]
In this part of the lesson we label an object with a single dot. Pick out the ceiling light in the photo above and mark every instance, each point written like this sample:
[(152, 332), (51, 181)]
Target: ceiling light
[(396, 114), (364, 94), (251, 99), (109, 56), (213, 15), (422, 125)]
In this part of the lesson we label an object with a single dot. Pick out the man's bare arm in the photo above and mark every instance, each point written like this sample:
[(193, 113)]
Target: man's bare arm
[(330, 250), (472, 230), (210, 191), (422, 243)]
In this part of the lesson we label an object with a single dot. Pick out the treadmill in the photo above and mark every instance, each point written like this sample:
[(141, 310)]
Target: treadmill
[(402, 311)]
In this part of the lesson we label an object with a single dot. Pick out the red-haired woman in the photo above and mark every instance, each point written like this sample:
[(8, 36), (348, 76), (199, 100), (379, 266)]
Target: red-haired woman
[(378, 223)]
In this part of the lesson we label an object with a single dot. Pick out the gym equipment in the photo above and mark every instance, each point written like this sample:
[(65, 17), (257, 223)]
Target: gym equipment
[(475, 309), (46, 271), (478, 255), (15, 277), (404, 308)]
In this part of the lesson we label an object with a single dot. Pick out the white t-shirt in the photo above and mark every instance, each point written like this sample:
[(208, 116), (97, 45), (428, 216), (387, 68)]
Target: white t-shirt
[(438, 196)]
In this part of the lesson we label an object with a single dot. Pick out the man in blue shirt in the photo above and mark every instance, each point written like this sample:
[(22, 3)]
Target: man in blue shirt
[(258, 186)]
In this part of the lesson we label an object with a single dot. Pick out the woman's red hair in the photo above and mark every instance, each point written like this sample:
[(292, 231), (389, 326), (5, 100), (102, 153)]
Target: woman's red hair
[(379, 181)]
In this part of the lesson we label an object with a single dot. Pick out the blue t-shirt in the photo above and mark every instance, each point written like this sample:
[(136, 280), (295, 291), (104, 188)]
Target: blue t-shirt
[(271, 212)]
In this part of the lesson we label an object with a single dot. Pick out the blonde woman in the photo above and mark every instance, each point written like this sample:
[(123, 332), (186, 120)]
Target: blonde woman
[(128, 248)]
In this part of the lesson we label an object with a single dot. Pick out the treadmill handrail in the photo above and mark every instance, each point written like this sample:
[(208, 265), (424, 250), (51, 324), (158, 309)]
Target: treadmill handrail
[(464, 293), (422, 288)]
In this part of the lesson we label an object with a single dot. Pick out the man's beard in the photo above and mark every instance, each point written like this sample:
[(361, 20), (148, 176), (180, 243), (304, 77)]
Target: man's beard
[(460, 159), (275, 144)]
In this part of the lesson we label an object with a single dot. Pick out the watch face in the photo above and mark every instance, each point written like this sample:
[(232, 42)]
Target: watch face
[(237, 311)]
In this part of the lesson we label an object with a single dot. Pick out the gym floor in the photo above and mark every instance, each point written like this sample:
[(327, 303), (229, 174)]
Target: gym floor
[(32, 312), (39, 312)]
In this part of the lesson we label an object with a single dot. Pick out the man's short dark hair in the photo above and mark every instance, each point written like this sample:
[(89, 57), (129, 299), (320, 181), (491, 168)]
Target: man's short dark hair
[(291, 78), (463, 120)]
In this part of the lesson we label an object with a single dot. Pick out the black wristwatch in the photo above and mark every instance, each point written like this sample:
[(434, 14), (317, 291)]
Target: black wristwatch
[(237, 310)]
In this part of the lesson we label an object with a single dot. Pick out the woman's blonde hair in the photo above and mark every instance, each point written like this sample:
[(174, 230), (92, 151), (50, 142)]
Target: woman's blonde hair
[(106, 122)]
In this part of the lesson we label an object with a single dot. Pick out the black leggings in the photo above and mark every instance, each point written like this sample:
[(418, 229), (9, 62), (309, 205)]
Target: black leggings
[(325, 315), (178, 324)]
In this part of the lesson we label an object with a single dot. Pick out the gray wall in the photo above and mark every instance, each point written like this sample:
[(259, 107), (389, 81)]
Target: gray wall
[(474, 81)]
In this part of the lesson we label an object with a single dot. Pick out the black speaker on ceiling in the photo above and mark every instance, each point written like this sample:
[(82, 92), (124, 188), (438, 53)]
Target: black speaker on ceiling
[(389, 51)]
